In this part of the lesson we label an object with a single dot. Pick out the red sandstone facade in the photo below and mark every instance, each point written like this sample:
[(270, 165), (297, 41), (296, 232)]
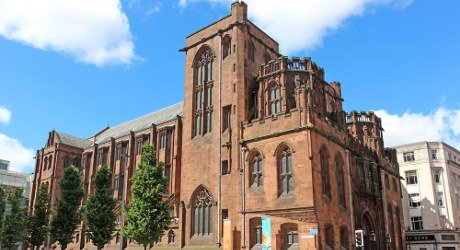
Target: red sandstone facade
[(257, 135)]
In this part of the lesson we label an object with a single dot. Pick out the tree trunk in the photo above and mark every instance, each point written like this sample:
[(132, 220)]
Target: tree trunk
[(98, 246), (145, 247), (64, 246)]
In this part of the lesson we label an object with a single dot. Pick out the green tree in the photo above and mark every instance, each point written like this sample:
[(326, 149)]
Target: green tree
[(14, 222), (148, 214), (100, 211), (2, 209), (38, 221), (68, 213)]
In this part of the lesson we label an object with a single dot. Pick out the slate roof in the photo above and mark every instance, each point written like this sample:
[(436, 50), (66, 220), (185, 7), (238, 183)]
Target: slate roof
[(72, 140), (157, 117)]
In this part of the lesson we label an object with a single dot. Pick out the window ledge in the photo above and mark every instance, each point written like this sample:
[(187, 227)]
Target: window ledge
[(259, 190), (285, 196), (326, 198)]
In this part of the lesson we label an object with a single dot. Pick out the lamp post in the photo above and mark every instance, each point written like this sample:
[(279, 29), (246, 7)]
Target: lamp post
[(372, 239), (388, 240), (124, 157)]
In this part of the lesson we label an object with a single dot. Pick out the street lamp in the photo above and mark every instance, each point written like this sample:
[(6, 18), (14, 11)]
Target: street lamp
[(124, 157), (388, 240)]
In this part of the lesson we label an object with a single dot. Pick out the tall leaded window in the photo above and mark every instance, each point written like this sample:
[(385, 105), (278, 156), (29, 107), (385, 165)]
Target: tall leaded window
[(203, 78), (227, 46), (45, 163), (340, 180), (168, 177), (251, 51), (344, 245), (275, 99), (255, 237), (257, 178), (286, 178), (139, 146), (325, 178), (329, 233), (202, 213)]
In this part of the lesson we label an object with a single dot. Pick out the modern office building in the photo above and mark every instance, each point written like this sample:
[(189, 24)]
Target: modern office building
[(259, 137), (431, 195), (4, 164), (11, 180)]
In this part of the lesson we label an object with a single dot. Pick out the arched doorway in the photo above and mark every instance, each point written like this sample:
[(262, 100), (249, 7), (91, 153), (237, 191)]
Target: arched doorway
[(368, 227)]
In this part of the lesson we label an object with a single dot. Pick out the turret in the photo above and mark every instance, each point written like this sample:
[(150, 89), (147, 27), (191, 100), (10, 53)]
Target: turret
[(367, 128)]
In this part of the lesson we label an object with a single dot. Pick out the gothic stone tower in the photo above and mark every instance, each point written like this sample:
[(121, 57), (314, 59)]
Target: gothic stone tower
[(222, 61), (264, 135)]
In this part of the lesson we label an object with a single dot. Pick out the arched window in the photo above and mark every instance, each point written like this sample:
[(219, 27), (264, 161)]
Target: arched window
[(291, 236), (267, 58), (50, 162), (340, 180), (255, 237), (171, 237), (286, 178), (275, 99), (45, 163), (344, 244), (329, 233), (257, 178), (227, 46), (251, 51), (203, 79), (202, 212), (325, 179)]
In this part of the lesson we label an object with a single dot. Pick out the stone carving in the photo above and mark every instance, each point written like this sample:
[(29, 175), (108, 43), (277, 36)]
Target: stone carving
[(203, 199), (302, 216)]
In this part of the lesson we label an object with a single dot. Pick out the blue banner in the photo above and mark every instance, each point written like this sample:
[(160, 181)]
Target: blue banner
[(266, 233)]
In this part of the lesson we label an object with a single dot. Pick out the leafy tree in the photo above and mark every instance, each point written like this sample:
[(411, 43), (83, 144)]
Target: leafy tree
[(38, 222), (148, 214), (14, 222), (2, 207), (68, 214), (100, 212)]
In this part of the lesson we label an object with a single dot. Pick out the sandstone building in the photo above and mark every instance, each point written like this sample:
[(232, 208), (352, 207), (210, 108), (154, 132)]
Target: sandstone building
[(257, 135)]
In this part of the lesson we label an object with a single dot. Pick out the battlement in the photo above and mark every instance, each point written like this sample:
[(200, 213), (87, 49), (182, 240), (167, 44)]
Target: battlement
[(294, 64), (366, 127), (363, 117)]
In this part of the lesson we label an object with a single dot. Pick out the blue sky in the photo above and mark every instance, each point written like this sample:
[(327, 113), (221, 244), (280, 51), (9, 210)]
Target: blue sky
[(77, 67)]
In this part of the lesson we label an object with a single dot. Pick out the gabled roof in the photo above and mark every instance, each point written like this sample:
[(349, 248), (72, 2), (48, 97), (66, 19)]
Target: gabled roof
[(73, 141), (157, 117)]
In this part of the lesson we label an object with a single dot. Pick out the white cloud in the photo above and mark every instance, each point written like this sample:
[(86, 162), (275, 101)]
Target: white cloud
[(302, 24), (5, 115), (440, 125), (21, 158), (94, 32)]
